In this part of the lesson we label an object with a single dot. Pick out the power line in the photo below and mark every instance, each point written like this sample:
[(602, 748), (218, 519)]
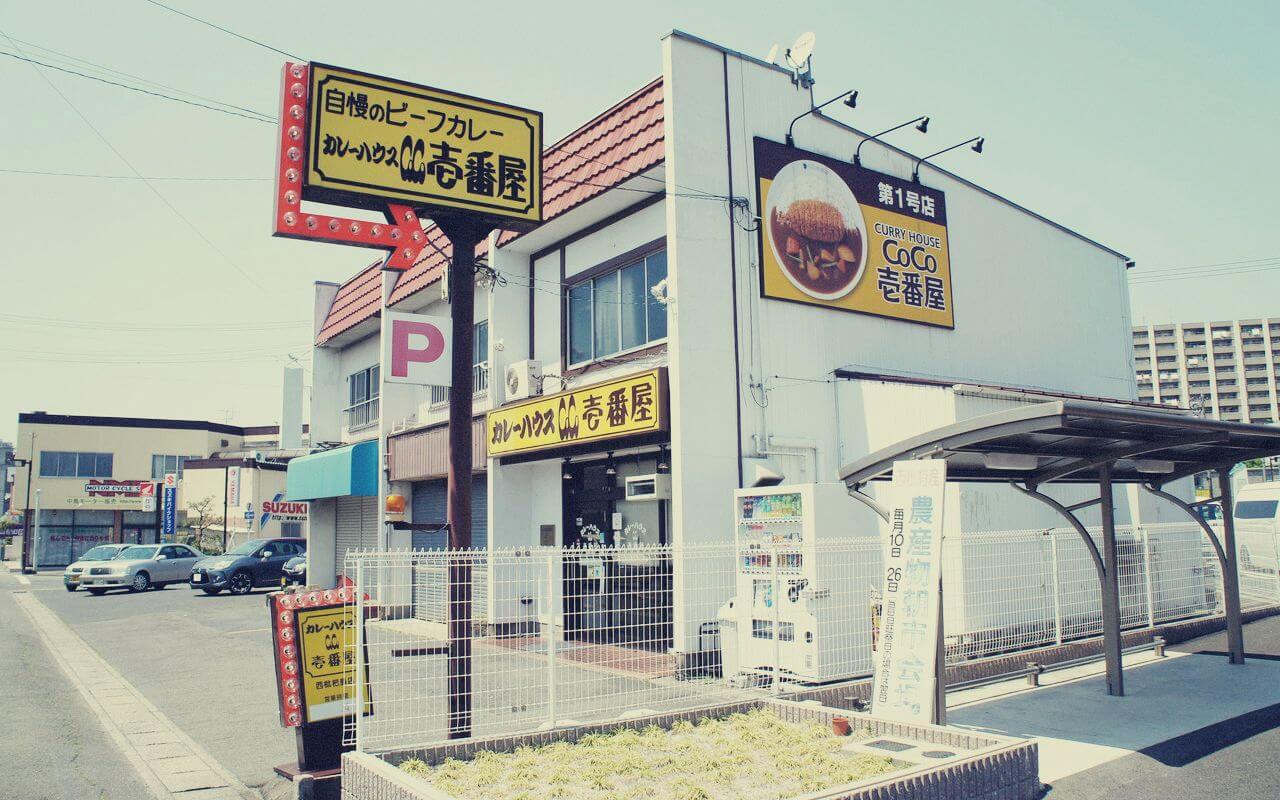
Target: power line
[(1147, 271), (1226, 273), (53, 174), (134, 170), (75, 59), (226, 30), (215, 327), (262, 118)]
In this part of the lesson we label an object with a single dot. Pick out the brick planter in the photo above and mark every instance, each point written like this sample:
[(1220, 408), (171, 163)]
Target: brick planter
[(940, 762)]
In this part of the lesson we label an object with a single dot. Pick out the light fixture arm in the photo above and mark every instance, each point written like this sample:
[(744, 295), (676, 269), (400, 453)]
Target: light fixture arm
[(791, 142), (857, 154), (915, 173)]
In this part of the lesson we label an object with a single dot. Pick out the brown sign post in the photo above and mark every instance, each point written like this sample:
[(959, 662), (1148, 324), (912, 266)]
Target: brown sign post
[(471, 165)]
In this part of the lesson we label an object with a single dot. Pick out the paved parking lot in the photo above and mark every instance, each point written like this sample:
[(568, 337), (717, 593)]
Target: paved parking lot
[(205, 662)]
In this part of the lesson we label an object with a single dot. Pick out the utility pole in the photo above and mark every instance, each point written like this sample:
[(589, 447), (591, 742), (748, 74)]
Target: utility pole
[(28, 553), (226, 509), (464, 235)]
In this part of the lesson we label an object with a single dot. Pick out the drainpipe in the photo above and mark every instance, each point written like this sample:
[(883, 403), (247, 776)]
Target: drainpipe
[(789, 447)]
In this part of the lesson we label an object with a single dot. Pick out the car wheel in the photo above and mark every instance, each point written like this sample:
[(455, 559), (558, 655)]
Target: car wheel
[(97, 592), (241, 583), (211, 592), (141, 582), (70, 588)]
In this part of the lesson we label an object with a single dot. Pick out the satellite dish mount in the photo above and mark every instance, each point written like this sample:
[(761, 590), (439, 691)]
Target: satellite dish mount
[(800, 57)]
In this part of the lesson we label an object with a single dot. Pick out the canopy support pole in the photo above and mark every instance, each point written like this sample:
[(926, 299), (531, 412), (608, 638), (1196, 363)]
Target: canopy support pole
[(1230, 573), (1231, 596), (1106, 579), (1111, 587)]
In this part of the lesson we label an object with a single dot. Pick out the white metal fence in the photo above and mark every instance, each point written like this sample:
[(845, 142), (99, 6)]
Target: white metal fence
[(480, 643)]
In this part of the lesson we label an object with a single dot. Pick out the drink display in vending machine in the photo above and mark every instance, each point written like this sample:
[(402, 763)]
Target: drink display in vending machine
[(802, 585)]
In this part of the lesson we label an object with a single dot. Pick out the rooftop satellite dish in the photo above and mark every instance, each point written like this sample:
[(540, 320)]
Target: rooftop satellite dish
[(802, 50), (772, 58)]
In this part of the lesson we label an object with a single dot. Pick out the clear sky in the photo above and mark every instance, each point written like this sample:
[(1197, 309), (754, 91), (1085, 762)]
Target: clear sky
[(1150, 127)]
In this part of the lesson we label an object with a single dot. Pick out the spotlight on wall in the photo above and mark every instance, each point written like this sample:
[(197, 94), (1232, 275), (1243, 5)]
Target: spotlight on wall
[(565, 474), (976, 141), (609, 468), (663, 464), (921, 123), (850, 99)]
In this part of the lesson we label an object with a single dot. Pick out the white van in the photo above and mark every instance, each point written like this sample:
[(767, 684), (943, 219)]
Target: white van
[(1257, 525)]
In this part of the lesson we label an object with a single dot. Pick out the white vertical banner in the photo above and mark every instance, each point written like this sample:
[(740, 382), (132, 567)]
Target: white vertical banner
[(906, 658), (233, 486)]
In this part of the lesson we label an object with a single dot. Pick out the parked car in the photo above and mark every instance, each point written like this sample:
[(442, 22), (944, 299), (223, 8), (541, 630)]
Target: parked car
[(141, 566), (257, 562), (294, 572), (1257, 514), (103, 552)]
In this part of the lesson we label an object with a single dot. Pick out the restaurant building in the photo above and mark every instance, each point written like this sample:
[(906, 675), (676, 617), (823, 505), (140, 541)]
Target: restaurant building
[(706, 308)]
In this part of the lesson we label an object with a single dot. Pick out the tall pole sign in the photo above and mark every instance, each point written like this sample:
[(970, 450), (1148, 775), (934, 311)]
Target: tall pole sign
[(406, 150), (909, 673), (169, 499)]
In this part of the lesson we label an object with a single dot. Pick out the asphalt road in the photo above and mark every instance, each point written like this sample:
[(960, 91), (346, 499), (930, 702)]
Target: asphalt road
[(205, 662), (52, 747), (1235, 758)]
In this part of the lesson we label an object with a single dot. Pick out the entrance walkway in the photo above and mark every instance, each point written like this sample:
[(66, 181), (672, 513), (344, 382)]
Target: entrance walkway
[(1177, 710)]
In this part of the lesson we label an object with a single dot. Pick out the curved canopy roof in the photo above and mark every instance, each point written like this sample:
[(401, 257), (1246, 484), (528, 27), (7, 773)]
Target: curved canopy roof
[(1070, 440)]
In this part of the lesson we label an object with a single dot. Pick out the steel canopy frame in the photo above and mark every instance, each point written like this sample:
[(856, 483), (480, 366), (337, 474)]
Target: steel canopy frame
[(1091, 442)]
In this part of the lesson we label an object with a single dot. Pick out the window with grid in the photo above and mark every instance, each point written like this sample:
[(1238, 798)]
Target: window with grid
[(162, 465), (61, 464), (362, 394), (617, 312)]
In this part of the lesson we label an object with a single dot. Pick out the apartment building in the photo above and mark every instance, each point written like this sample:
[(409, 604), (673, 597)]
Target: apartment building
[(1227, 369)]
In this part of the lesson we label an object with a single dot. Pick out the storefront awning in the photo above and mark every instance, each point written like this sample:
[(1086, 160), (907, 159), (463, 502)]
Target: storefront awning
[(341, 472)]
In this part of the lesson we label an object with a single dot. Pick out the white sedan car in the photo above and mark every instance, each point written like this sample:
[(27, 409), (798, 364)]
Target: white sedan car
[(142, 566)]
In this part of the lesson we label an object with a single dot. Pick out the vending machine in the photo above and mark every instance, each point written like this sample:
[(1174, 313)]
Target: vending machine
[(808, 558)]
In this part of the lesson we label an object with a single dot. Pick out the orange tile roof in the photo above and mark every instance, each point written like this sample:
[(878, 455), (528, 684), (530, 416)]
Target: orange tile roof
[(624, 140)]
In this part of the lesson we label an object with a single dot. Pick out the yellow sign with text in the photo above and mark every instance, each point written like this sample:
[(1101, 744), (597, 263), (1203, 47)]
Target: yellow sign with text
[(636, 404), (327, 660), (841, 236), (373, 139)]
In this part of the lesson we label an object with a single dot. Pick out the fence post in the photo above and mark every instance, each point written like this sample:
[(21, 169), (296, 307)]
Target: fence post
[(1057, 588), (1150, 580), (360, 666), (777, 623), (552, 635)]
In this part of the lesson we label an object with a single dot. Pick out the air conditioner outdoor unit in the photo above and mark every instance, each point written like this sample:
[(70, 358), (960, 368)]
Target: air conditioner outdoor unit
[(524, 379)]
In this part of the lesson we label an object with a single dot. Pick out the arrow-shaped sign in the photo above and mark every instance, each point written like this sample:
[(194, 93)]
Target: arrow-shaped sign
[(402, 234)]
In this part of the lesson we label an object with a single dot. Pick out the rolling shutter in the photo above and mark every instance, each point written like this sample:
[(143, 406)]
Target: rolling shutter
[(430, 501), (356, 526)]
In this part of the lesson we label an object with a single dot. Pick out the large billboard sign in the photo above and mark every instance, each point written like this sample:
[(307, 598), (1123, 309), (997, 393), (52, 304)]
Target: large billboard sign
[(353, 139), (374, 138), (840, 236)]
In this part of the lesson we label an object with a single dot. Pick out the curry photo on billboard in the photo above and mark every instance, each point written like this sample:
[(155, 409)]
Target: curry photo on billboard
[(852, 239)]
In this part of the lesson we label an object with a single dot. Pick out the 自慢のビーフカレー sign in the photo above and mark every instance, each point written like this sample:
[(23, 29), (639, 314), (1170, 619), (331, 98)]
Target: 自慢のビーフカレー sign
[(844, 237), (630, 406), (372, 140)]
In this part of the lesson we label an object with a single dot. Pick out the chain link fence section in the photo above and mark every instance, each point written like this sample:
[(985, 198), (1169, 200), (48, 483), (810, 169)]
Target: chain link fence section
[(461, 644)]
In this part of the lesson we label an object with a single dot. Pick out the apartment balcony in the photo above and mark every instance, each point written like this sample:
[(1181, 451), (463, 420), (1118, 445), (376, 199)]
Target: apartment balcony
[(436, 409), (361, 415)]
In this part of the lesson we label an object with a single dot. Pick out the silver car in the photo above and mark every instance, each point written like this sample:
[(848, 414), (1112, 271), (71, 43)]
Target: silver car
[(93, 557), (142, 566)]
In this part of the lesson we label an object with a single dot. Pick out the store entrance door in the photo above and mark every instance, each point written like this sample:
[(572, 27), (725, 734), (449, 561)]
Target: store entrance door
[(588, 510)]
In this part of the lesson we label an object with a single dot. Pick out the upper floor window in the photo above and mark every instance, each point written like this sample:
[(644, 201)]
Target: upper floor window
[(616, 312), (162, 465), (58, 464), (362, 394)]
